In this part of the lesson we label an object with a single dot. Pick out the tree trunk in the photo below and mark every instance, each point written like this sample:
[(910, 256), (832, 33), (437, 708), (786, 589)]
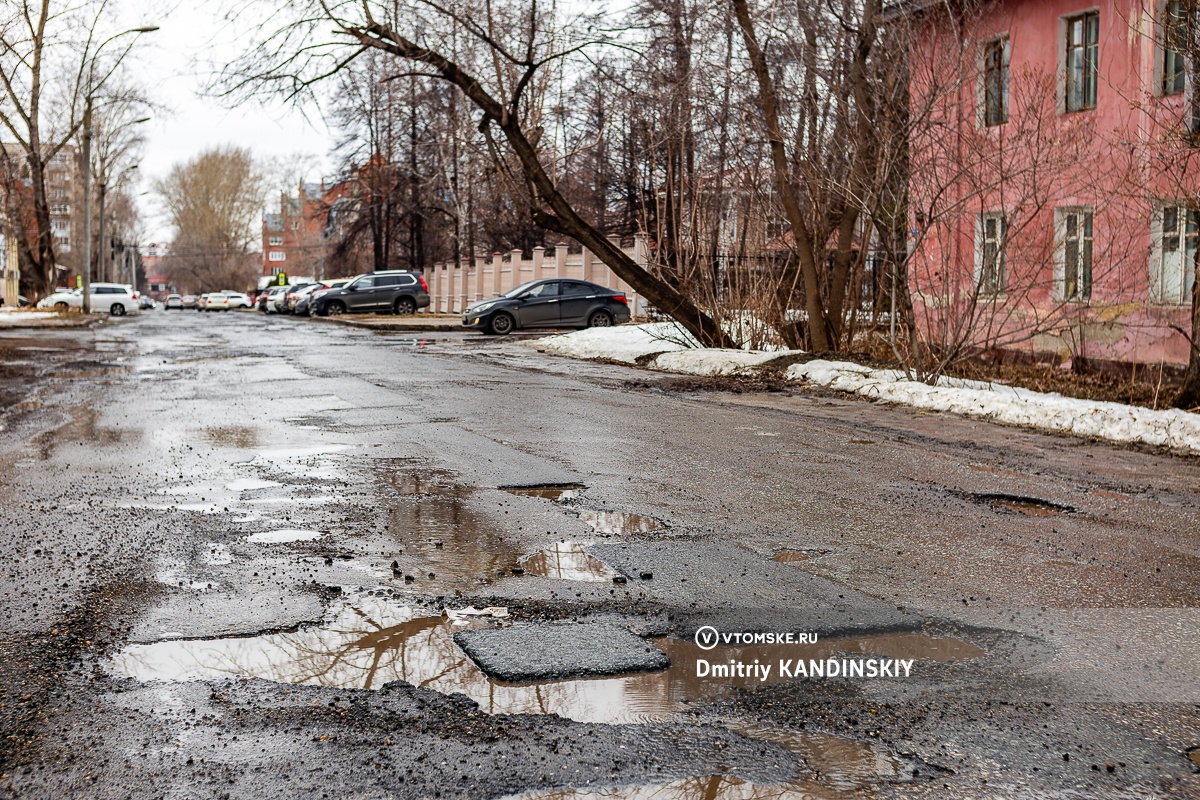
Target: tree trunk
[(1189, 393)]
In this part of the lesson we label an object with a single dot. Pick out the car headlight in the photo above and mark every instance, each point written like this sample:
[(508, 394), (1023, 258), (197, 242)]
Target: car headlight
[(480, 308)]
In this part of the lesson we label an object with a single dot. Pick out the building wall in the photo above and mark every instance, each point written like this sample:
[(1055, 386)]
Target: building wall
[(1121, 160)]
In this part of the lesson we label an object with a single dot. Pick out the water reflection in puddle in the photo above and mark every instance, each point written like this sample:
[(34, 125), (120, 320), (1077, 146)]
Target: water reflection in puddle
[(568, 561), (619, 522), (369, 641), (548, 491), (1029, 506)]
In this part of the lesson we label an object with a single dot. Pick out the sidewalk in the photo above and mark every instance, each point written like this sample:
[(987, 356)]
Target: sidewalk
[(19, 320), (387, 322)]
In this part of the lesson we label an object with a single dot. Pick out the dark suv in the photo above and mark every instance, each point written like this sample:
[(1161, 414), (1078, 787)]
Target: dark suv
[(395, 291)]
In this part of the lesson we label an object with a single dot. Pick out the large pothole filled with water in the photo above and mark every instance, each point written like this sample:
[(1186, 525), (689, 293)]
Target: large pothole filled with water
[(368, 641)]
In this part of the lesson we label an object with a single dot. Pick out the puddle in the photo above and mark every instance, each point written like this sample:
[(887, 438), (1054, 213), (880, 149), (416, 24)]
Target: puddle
[(250, 484), (549, 491), (712, 787), (434, 530), (1029, 506), (619, 522), (415, 484), (568, 561), (796, 556), (284, 535), (369, 640), (239, 436)]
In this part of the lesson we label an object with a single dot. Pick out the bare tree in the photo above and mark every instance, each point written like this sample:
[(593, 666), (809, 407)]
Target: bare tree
[(52, 64), (497, 55), (213, 201)]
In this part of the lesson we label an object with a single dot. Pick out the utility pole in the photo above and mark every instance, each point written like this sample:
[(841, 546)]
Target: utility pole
[(102, 260), (87, 208)]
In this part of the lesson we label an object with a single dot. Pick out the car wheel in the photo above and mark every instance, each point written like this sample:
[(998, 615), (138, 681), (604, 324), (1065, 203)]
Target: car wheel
[(61, 308), (600, 319), (405, 305), (335, 308), (501, 323), (117, 310)]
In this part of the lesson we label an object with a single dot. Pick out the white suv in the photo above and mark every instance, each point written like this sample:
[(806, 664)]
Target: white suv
[(117, 299)]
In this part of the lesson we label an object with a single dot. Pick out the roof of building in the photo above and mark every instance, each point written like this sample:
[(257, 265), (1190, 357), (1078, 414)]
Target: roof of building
[(274, 222)]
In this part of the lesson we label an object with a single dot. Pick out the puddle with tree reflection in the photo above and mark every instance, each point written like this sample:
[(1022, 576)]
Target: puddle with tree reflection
[(619, 522), (568, 561), (548, 491), (371, 640)]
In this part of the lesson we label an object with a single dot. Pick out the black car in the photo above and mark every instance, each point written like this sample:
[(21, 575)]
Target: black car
[(394, 291), (549, 303)]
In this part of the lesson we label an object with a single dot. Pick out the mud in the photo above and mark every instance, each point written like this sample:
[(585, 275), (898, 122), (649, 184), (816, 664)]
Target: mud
[(565, 491)]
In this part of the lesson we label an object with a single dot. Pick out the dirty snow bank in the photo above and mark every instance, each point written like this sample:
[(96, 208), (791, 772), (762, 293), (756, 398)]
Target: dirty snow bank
[(664, 346), (1115, 422), (660, 345)]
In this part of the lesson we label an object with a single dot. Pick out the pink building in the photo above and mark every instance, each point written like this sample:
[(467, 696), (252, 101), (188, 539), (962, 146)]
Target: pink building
[(1052, 191)]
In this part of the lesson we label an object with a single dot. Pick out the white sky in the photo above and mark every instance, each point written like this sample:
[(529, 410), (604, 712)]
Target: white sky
[(173, 64)]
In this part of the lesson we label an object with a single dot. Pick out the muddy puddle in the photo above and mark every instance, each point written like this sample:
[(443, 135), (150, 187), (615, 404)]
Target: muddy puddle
[(796, 556), (439, 538), (568, 561), (1194, 754), (239, 436), (548, 491), (619, 522), (369, 640), (1028, 506)]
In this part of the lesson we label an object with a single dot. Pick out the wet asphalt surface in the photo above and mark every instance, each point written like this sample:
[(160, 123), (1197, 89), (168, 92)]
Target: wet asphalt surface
[(228, 538)]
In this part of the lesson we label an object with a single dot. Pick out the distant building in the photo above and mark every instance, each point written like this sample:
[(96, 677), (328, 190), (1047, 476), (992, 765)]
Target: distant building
[(294, 239)]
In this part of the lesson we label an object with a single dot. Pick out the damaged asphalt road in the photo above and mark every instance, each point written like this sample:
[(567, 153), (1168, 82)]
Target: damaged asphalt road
[(229, 544)]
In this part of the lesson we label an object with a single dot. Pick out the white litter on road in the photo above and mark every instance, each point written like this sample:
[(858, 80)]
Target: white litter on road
[(1115, 422)]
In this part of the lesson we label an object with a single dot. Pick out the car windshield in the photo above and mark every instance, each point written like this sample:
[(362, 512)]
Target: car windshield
[(522, 289)]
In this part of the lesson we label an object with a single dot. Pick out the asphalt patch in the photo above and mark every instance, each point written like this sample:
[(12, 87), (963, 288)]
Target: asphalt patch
[(542, 652)]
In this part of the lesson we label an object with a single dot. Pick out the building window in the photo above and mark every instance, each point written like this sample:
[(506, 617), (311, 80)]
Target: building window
[(277, 255), (276, 241), (995, 82), (275, 271), (1083, 52), (60, 210), (1173, 269), (990, 257), (1076, 254), (1174, 43)]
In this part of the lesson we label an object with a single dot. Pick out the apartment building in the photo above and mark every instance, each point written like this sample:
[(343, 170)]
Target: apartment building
[(1053, 191)]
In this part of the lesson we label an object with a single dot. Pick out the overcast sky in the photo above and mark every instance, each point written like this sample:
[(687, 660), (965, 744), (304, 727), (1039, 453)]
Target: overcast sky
[(174, 64)]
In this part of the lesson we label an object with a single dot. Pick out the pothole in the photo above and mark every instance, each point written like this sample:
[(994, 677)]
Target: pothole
[(1193, 753), (368, 641), (548, 491), (1029, 506), (568, 561), (240, 436), (619, 522), (413, 483)]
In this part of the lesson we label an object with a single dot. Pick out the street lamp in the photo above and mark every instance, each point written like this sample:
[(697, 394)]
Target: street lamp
[(87, 164)]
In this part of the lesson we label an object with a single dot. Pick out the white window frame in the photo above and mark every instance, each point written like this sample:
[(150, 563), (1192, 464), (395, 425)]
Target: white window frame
[(1087, 245), (1160, 292), (277, 255), (1001, 243), (275, 241), (1006, 63), (1064, 105)]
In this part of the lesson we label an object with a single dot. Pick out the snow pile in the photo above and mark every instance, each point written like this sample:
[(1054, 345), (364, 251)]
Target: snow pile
[(666, 347), (1115, 422), (710, 362), (11, 316), (625, 343)]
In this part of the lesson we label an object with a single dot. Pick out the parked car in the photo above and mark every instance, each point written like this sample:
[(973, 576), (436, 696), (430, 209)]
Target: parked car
[(288, 304), (189, 301), (216, 301), (300, 303), (147, 303), (549, 303), (173, 301), (238, 300), (395, 291), (274, 297), (62, 299)]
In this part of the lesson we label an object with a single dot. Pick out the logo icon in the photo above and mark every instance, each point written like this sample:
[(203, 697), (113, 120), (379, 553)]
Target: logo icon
[(707, 637)]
